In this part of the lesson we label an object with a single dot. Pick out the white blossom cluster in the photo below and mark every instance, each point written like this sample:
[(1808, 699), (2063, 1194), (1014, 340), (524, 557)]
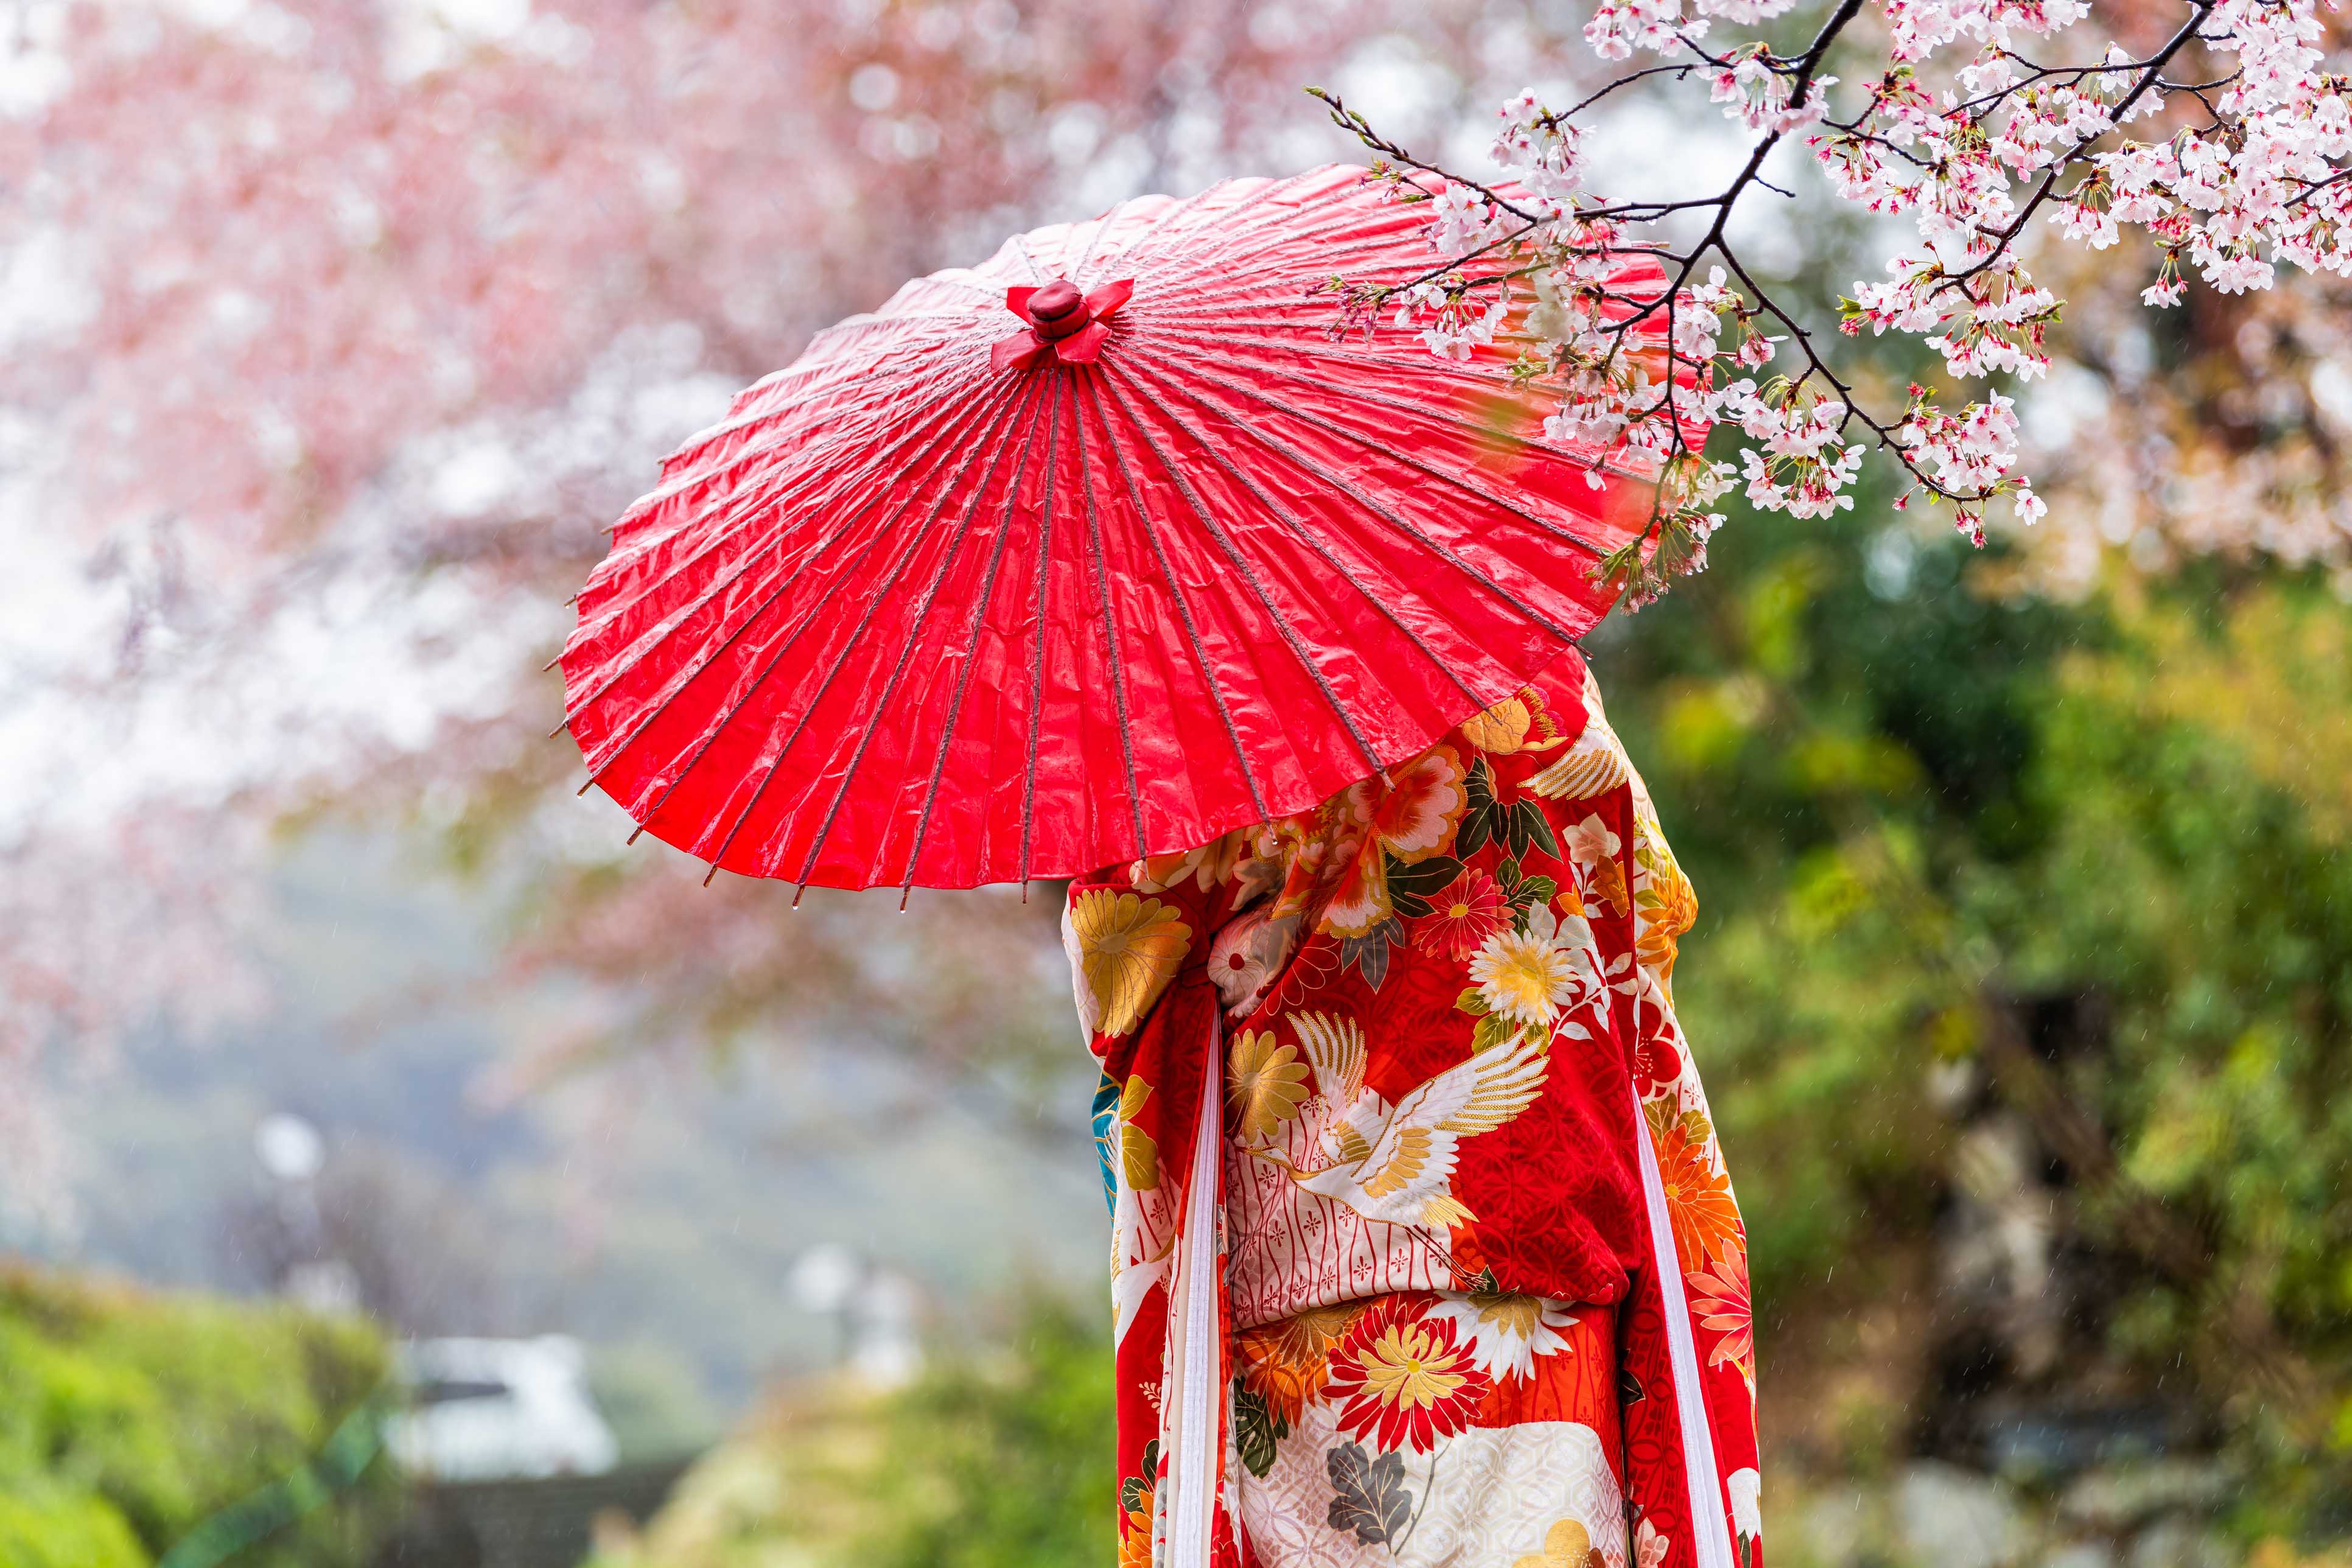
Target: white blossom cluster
[(1966, 127)]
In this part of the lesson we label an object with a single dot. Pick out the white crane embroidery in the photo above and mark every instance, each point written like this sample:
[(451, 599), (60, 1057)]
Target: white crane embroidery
[(1395, 1163)]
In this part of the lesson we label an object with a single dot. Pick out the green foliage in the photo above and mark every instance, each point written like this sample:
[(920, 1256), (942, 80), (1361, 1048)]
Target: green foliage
[(46, 1528), (1003, 1466), (127, 1418), (1907, 805), (998, 1461)]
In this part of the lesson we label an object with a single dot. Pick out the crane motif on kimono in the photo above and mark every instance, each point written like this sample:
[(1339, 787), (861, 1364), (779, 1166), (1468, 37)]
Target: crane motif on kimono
[(1395, 1163)]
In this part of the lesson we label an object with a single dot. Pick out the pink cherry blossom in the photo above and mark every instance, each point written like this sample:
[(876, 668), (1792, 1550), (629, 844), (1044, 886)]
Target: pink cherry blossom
[(1978, 117)]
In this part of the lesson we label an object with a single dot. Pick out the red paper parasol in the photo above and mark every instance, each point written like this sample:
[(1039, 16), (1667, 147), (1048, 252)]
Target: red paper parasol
[(968, 597)]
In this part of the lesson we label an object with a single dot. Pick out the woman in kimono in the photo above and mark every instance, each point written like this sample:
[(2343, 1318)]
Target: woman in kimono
[(1449, 1271)]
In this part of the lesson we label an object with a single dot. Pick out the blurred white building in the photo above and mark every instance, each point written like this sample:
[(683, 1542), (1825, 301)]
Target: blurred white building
[(875, 1307), (495, 1410)]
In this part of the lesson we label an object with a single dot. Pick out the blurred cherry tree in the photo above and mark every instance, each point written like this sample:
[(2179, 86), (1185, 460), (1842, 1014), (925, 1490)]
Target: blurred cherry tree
[(331, 337)]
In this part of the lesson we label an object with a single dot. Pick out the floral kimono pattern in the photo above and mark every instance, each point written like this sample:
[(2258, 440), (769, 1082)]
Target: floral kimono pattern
[(1424, 1249)]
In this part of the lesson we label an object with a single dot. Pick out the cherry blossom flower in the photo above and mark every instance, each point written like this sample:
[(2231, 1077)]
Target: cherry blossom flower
[(1980, 118)]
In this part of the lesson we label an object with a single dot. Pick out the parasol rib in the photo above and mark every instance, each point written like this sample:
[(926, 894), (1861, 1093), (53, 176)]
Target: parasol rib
[(784, 519), (1184, 613), (1356, 437), (971, 658), (938, 504), (1307, 537), (1037, 639), (1110, 628), (1257, 432), (693, 667), (923, 614), (1233, 558)]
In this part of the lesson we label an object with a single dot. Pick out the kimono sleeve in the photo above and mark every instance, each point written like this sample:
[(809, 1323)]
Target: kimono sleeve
[(1125, 946), (1688, 1348)]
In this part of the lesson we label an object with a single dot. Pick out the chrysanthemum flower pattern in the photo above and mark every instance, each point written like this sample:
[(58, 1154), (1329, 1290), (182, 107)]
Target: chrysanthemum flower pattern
[(1403, 1379)]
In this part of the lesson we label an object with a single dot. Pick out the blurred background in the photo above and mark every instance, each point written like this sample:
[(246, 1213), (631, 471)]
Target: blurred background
[(394, 1169)]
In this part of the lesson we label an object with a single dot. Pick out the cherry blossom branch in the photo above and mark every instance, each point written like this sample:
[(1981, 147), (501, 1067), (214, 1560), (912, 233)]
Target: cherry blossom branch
[(1531, 264)]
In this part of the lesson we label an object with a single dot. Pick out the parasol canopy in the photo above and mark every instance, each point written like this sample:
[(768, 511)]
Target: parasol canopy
[(1099, 549)]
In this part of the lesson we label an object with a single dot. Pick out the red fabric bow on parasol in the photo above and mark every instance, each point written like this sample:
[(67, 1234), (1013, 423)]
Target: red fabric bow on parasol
[(1068, 325), (1098, 550)]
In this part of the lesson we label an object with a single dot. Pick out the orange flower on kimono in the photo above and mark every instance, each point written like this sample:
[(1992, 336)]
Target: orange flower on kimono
[(1698, 1196), (1402, 1379), (1669, 906), (1284, 1362), (1721, 1297), (1592, 846), (1135, 1541)]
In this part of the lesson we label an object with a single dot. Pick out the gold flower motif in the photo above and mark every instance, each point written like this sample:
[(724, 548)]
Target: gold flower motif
[(1501, 728), (1264, 1084), (1515, 1314), (1138, 1155), (1128, 949), (1566, 1544)]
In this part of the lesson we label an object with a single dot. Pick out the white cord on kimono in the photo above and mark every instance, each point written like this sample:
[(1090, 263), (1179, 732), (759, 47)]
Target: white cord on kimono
[(1192, 1466)]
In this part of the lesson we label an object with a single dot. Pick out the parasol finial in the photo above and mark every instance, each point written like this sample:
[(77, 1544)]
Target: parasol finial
[(1058, 310), (1064, 324)]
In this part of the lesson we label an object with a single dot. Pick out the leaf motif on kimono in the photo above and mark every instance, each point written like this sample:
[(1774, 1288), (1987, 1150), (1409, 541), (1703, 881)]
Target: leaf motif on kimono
[(1479, 784), (1628, 1387), (1135, 1492), (1473, 1002), (1411, 888), (1523, 829), (1368, 1495), (1256, 1429), (1535, 891), (1479, 818), (1493, 1030), (1370, 953)]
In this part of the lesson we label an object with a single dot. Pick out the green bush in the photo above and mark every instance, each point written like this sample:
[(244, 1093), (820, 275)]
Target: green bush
[(1000, 1460), (128, 1417), (1915, 809)]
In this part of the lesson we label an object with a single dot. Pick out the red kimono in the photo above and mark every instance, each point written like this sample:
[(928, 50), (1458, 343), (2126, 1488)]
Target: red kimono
[(1454, 1275)]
